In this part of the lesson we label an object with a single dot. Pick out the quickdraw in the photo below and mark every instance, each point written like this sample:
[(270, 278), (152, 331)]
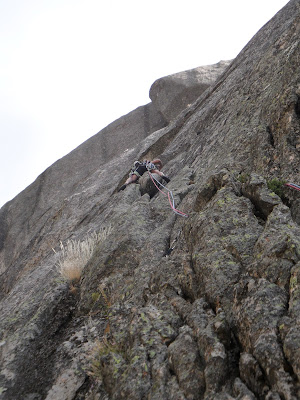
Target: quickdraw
[(169, 195), (173, 244)]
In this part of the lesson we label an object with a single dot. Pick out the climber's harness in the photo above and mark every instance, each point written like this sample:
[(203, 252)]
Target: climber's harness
[(141, 167)]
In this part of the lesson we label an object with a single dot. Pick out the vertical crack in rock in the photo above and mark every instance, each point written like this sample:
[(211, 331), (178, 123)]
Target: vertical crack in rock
[(205, 307)]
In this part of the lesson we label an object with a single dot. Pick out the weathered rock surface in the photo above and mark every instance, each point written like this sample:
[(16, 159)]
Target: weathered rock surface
[(173, 93), (204, 307)]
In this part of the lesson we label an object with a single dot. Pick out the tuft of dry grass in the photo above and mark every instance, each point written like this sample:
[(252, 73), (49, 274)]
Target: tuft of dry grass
[(75, 254)]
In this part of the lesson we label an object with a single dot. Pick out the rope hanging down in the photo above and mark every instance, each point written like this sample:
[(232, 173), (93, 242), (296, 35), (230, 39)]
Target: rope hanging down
[(169, 195), (293, 186)]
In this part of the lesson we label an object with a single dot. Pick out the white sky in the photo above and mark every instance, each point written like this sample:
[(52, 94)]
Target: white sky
[(70, 67)]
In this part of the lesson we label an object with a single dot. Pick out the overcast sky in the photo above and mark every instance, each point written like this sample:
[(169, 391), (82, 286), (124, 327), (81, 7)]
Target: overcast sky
[(70, 67)]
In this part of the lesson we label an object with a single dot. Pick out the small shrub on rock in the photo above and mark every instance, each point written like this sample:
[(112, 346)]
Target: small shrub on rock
[(276, 185)]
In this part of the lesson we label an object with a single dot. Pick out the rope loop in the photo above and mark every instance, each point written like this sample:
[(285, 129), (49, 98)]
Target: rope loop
[(169, 195)]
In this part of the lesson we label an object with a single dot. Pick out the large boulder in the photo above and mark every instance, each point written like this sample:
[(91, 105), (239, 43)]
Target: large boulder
[(173, 93)]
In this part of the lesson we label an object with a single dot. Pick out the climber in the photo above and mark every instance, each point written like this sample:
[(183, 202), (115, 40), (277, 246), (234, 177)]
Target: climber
[(139, 168)]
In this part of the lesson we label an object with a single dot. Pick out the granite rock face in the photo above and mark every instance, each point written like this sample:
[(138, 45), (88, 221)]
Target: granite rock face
[(29, 216), (168, 307)]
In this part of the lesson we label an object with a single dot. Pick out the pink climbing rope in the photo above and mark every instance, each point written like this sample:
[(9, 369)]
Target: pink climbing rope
[(169, 195), (293, 186)]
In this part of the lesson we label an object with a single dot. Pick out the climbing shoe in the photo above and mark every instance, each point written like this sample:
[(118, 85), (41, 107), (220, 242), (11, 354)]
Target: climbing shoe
[(166, 179), (122, 188)]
